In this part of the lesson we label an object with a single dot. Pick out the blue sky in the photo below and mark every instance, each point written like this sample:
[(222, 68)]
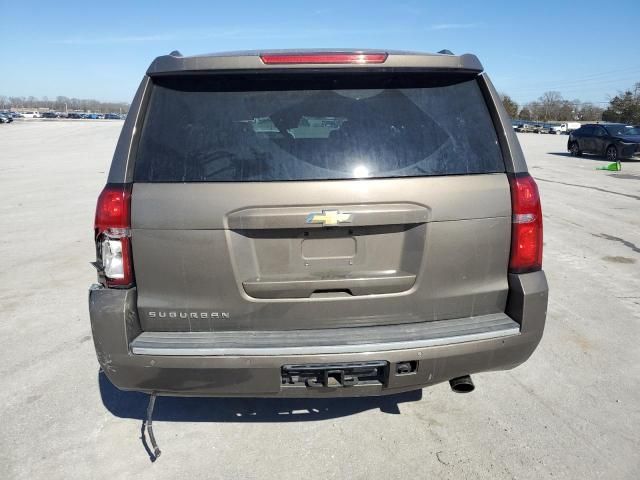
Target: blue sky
[(585, 49)]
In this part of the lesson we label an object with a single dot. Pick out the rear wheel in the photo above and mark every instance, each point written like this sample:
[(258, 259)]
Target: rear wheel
[(575, 149), (612, 153)]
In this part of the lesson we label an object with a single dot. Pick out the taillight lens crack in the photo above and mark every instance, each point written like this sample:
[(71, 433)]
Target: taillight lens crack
[(112, 230)]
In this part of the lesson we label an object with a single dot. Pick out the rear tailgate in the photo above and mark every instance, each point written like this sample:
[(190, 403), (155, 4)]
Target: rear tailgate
[(289, 202)]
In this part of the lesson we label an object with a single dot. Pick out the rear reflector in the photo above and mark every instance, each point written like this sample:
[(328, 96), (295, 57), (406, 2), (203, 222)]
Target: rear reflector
[(526, 225), (320, 57), (112, 234)]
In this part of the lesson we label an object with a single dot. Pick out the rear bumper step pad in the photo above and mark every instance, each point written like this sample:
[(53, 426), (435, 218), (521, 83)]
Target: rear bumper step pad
[(329, 340)]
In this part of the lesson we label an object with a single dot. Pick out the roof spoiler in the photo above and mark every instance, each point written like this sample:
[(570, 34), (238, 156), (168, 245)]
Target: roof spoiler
[(444, 60)]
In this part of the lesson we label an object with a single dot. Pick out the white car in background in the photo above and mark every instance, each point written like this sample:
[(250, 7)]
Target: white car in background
[(30, 114), (565, 128)]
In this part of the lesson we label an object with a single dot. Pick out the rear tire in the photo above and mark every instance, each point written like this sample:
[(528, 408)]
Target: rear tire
[(575, 150), (612, 153)]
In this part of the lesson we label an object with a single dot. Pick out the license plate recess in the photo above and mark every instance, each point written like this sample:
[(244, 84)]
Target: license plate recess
[(336, 375)]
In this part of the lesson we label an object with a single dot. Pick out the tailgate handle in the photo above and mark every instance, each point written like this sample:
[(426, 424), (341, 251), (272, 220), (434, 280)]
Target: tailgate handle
[(304, 288), (335, 215)]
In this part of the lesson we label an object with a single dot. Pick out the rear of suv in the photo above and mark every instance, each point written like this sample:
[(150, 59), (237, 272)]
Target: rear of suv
[(315, 224)]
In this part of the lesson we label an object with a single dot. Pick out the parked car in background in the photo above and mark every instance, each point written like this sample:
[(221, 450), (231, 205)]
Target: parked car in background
[(112, 116), (524, 128), (613, 140), (565, 128), (239, 251), (30, 114), (49, 115), (75, 115), (4, 118), (569, 127)]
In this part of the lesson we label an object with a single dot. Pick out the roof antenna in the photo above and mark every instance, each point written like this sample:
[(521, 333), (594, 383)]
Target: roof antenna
[(175, 53), (445, 52)]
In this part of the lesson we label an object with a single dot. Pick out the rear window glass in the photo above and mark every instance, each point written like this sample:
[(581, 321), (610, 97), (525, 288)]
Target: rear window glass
[(240, 129)]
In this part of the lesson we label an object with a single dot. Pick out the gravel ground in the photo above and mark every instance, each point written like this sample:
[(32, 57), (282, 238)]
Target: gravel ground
[(571, 411)]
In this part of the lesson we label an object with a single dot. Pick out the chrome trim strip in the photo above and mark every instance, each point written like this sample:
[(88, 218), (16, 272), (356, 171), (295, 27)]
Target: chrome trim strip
[(177, 343)]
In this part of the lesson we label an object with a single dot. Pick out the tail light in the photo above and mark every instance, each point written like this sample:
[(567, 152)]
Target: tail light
[(526, 228), (113, 235), (322, 57)]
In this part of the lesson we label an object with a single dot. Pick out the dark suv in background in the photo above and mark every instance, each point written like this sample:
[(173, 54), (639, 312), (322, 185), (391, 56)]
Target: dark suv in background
[(315, 224), (615, 141)]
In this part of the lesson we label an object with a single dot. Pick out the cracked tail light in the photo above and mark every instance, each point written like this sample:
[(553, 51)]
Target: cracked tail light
[(112, 231), (526, 225)]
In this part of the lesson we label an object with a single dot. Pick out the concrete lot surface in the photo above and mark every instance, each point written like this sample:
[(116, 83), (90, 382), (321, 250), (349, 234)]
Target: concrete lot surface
[(572, 411)]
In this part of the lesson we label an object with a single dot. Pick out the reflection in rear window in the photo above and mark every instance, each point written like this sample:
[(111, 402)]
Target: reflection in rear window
[(213, 130)]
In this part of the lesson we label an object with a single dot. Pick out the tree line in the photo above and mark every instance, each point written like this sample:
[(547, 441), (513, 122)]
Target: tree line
[(62, 104), (623, 108)]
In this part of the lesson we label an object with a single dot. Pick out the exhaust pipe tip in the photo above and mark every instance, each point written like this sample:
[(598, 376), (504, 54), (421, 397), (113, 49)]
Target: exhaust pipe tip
[(462, 384)]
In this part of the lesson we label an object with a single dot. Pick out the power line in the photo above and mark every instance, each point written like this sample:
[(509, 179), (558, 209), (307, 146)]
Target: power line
[(602, 87), (594, 82), (596, 76), (579, 83)]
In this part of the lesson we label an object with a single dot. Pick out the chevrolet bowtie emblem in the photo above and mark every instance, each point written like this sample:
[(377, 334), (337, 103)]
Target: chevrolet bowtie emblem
[(329, 217)]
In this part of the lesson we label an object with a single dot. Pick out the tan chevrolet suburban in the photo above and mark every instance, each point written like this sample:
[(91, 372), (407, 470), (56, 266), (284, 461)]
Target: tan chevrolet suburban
[(315, 223)]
